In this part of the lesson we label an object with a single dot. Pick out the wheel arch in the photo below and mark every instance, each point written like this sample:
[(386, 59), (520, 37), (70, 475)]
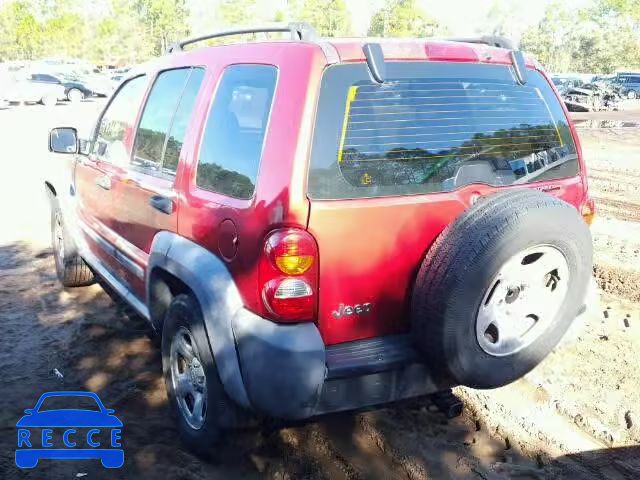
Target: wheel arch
[(178, 265)]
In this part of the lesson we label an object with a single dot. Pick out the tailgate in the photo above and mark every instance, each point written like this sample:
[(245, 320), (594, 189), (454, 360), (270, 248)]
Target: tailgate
[(394, 163)]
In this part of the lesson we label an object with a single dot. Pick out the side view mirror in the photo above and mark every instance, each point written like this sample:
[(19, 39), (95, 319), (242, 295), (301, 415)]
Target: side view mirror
[(29, 411), (63, 140)]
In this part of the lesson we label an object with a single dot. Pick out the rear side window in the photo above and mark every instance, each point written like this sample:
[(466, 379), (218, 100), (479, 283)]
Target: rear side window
[(234, 135), (434, 127), (163, 124)]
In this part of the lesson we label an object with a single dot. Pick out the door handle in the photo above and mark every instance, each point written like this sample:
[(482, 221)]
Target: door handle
[(104, 182), (163, 204)]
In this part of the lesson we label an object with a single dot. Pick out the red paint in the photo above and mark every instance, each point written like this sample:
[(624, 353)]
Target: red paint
[(368, 249)]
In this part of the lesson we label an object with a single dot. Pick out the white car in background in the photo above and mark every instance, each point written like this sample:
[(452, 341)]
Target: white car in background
[(23, 90)]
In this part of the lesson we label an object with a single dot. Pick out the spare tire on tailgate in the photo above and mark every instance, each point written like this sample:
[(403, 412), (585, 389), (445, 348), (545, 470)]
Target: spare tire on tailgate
[(500, 286)]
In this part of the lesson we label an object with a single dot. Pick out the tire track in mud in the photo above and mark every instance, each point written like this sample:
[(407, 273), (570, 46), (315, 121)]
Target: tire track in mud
[(616, 208)]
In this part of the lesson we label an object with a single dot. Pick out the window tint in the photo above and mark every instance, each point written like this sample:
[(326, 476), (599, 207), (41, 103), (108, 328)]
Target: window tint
[(116, 126), (181, 122), (232, 142), (43, 77), (435, 128), (160, 116)]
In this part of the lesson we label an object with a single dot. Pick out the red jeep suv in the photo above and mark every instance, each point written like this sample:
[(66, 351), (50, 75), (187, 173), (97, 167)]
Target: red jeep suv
[(318, 225)]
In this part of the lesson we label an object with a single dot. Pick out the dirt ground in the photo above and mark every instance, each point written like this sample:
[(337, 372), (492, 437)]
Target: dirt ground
[(576, 416)]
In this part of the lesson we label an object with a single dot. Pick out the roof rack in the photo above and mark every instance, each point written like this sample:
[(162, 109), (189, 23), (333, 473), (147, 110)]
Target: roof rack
[(491, 40), (299, 31)]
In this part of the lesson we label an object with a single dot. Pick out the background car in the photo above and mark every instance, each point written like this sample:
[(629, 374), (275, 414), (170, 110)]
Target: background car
[(74, 89), (563, 84), (23, 90), (630, 84)]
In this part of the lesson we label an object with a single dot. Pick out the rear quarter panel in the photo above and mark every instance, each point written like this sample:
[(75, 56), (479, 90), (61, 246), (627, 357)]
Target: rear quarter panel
[(280, 198)]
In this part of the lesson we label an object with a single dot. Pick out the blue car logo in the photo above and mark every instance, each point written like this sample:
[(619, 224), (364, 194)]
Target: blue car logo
[(43, 431)]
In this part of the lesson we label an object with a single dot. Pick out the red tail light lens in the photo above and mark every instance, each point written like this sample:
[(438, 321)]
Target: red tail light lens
[(289, 275)]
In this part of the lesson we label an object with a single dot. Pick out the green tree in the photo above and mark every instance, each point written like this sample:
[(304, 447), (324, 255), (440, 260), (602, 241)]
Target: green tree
[(625, 8), (65, 34), (588, 40), (551, 40), (120, 37), (504, 19), (236, 13), (20, 33), (330, 18), (402, 18), (166, 21)]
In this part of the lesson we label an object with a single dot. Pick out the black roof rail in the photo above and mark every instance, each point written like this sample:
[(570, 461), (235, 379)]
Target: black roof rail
[(491, 40), (299, 31)]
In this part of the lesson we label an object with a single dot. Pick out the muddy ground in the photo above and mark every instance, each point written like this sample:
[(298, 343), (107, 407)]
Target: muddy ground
[(576, 416)]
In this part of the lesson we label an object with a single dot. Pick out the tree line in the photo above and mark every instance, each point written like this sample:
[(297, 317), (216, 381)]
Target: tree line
[(601, 38)]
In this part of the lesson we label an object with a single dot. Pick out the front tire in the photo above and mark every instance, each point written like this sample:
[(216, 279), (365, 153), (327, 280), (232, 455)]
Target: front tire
[(71, 269), (197, 399)]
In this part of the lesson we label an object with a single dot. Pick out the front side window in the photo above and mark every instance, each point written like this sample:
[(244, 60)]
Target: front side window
[(434, 127), (232, 142), (117, 122), (163, 123)]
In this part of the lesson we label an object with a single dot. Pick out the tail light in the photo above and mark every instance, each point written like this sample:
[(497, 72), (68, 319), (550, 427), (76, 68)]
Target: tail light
[(289, 275), (588, 211)]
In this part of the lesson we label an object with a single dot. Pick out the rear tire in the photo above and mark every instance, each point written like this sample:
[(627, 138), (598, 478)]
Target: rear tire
[(462, 271), (71, 269), (75, 96), (49, 101), (186, 351)]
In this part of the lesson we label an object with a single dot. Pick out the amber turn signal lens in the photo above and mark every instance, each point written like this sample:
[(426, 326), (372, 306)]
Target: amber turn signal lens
[(294, 264), (292, 252), (588, 211)]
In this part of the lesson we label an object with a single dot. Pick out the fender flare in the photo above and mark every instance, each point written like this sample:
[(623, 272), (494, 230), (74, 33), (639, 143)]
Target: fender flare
[(209, 279)]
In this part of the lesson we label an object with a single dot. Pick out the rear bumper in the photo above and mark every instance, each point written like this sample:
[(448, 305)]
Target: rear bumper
[(289, 373)]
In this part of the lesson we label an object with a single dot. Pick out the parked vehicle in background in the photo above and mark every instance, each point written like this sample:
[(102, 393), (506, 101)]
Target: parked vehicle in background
[(629, 83), (74, 90), (592, 97), (5, 84), (324, 225), (98, 84), (603, 78), (23, 90), (565, 83)]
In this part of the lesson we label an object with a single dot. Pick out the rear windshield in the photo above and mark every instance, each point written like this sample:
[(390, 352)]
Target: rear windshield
[(434, 127)]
